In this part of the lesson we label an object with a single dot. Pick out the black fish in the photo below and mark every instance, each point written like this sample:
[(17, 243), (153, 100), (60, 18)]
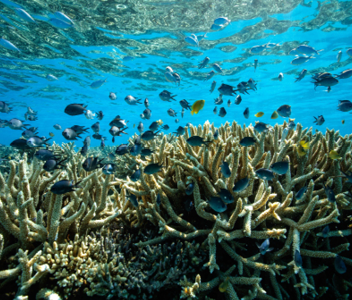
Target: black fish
[(149, 135), (92, 163), (225, 170), (79, 129), (100, 115), (70, 134), (146, 152), (197, 141), (136, 175), (63, 187), (122, 149), (98, 136), (44, 155), (189, 189), (96, 127), (52, 164), (118, 122), (20, 144), (185, 104), (152, 169), (75, 109)]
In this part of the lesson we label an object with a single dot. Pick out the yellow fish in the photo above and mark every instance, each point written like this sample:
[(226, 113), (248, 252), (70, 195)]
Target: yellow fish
[(275, 115), (224, 285), (259, 114), (134, 125), (51, 134), (304, 145), (334, 155), (197, 106), (343, 121), (160, 122), (301, 151)]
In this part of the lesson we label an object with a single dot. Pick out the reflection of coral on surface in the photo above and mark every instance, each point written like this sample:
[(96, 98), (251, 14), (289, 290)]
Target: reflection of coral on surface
[(73, 240)]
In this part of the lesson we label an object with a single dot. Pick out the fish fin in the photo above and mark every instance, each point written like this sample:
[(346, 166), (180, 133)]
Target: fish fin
[(192, 112)]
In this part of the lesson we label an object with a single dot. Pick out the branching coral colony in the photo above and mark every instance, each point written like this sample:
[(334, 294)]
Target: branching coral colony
[(94, 239)]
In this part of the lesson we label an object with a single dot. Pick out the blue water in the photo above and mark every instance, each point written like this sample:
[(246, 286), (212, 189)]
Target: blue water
[(51, 98)]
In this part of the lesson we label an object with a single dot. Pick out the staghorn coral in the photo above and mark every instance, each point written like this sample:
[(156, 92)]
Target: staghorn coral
[(55, 236), (108, 264), (263, 210)]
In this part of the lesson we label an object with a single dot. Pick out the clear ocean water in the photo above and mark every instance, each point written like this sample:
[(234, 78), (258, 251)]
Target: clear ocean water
[(153, 33)]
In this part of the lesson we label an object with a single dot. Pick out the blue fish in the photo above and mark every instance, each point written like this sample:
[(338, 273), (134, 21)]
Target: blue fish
[(189, 189), (97, 84), (8, 45), (339, 265), (225, 170), (24, 15), (221, 21), (329, 193), (51, 77), (240, 185), (300, 193), (280, 167), (61, 16), (325, 231), (133, 199), (264, 247), (247, 141), (265, 174), (59, 23), (246, 113), (193, 40), (298, 259), (217, 204), (226, 196), (216, 27), (158, 199), (257, 49), (136, 175)]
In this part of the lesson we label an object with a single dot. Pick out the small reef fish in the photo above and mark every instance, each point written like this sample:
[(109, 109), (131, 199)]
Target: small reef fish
[(152, 169), (225, 170), (197, 106), (203, 63), (334, 155), (97, 84), (217, 204), (338, 57), (213, 85), (189, 189), (301, 75), (325, 231), (226, 196), (284, 111), (63, 187), (300, 193), (238, 100), (280, 167), (329, 193), (298, 259), (280, 77), (222, 112), (259, 114), (247, 141), (339, 265), (264, 247), (197, 141), (274, 115), (319, 121), (112, 96), (265, 174), (241, 185), (255, 64), (246, 113)]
